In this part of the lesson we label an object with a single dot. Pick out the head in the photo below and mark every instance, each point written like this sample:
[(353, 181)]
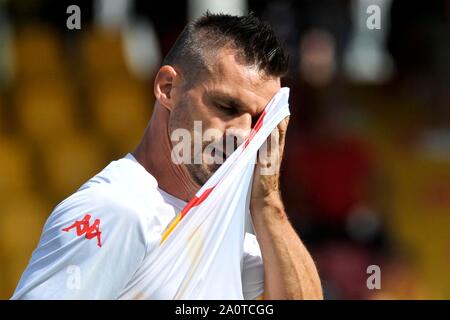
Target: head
[(215, 82)]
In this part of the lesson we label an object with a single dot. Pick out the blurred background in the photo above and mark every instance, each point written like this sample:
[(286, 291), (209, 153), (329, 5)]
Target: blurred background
[(366, 178)]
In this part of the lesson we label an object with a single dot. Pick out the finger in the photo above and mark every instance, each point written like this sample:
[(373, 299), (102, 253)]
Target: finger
[(282, 128)]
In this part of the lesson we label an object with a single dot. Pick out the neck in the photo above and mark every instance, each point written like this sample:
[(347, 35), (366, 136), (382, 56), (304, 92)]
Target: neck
[(154, 154)]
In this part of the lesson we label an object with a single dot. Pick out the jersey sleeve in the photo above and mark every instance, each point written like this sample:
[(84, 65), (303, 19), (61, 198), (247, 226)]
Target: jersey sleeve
[(90, 247), (253, 269)]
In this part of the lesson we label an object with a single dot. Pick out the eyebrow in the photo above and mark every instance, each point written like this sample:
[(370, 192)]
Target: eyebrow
[(229, 100)]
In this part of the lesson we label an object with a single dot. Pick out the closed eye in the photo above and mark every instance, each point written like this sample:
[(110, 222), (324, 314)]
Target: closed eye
[(226, 109)]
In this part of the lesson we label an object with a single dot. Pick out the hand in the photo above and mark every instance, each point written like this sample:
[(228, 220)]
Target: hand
[(265, 189)]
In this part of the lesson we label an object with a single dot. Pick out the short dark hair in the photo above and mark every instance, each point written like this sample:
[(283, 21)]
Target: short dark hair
[(253, 39)]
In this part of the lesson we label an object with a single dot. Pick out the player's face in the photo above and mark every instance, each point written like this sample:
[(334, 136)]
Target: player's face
[(228, 100)]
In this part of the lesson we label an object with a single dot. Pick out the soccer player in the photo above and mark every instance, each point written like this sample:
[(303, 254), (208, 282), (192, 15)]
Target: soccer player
[(97, 243)]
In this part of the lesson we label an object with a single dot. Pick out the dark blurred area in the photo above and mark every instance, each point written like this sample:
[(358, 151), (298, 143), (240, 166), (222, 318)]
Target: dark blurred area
[(366, 176)]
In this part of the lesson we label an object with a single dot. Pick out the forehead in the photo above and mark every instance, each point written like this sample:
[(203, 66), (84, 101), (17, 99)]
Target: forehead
[(228, 75)]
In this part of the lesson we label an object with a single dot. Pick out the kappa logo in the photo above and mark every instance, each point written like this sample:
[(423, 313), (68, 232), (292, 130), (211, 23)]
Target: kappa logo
[(90, 231)]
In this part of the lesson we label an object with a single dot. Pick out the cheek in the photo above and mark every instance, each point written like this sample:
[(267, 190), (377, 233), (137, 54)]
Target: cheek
[(181, 116), (215, 125), (195, 116), (193, 109)]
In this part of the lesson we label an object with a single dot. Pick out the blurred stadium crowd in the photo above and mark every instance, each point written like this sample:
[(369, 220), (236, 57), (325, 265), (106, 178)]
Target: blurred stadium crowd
[(366, 178)]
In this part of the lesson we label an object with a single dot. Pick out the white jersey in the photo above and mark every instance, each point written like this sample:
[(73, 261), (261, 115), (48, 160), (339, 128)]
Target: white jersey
[(97, 243)]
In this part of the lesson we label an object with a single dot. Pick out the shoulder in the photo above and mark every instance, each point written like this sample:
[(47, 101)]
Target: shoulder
[(97, 232), (122, 199), (253, 271), (104, 200), (251, 245), (252, 252), (102, 208)]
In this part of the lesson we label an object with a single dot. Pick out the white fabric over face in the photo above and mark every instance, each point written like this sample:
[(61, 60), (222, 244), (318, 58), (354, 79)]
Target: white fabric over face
[(206, 239)]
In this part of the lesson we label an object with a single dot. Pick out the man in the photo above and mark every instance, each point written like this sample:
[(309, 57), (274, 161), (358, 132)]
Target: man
[(222, 71)]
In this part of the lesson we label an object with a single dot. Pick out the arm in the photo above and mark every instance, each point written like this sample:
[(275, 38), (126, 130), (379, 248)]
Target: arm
[(290, 272)]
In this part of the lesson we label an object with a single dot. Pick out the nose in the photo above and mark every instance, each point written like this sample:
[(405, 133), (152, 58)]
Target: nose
[(240, 127)]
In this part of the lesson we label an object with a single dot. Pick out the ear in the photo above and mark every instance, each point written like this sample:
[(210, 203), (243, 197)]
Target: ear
[(164, 85)]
